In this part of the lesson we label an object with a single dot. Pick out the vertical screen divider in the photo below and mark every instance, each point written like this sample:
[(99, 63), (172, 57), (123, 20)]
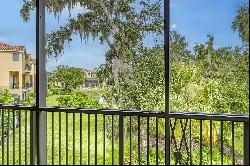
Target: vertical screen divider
[(167, 79), (41, 89)]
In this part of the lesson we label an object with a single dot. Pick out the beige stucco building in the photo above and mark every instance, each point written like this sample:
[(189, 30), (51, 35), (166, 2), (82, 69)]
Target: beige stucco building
[(17, 70), (89, 73), (91, 80)]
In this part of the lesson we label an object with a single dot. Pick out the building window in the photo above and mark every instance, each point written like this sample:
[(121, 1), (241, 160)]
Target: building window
[(15, 57)]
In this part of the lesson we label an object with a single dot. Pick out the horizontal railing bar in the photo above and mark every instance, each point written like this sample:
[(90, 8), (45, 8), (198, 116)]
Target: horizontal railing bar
[(206, 113), (17, 107), (210, 116), (133, 112)]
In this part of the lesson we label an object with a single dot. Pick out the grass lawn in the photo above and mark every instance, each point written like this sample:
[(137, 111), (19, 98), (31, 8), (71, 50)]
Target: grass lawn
[(51, 100)]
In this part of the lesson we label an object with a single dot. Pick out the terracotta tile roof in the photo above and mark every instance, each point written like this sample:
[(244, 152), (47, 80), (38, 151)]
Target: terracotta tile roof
[(7, 47)]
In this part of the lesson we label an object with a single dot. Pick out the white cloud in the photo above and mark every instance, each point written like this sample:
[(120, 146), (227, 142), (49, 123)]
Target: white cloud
[(173, 26)]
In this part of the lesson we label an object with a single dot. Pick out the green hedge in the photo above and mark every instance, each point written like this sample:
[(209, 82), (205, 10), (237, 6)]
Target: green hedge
[(59, 91), (78, 99)]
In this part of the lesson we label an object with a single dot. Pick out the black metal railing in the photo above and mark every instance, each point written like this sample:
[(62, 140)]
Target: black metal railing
[(28, 68), (27, 85), (14, 135), (86, 136)]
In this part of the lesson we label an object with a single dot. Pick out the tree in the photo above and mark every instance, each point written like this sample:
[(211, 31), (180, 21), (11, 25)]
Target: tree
[(178, 48), (121, 24), (116, 22), (241, 23), (69, 77), (144, 87), (51, 79)]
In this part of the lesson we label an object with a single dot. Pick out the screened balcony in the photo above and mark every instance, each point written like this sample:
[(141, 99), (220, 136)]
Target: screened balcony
[(85, 135)]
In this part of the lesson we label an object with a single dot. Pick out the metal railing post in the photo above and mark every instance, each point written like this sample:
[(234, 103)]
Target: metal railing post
[(121, 140), (246, 143), (33, 141)]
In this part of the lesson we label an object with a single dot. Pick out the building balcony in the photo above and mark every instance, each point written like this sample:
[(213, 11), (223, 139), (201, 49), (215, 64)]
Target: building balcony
[(27, 86), (28, 68), (14, 86)]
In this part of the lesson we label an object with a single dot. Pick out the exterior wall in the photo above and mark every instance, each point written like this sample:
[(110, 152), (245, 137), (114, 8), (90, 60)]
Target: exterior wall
[(91, 80), (27, 77), (89, 74), (8, 67), (33, 74)]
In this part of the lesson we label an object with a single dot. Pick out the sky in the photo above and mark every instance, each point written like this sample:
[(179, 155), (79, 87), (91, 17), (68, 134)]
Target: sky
[(192, 18)]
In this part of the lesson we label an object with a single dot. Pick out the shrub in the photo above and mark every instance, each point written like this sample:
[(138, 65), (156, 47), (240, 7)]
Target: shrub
[(59, 91), (78, 99), (6, 98), (30, 101)]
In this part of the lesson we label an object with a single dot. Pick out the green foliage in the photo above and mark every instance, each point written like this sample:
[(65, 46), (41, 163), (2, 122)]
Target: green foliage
[(212, 80), (78, 99), (69, 77), (178, 48), (51, 80), (60, 91), (117, 23), (30, 101), (6, 97), (122, 25), (241, 23)]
